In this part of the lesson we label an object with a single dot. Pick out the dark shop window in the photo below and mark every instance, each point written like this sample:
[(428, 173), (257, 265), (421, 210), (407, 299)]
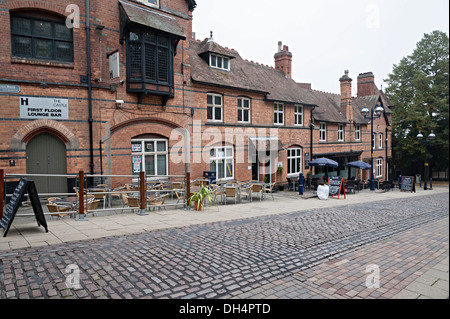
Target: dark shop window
[(41, 39)]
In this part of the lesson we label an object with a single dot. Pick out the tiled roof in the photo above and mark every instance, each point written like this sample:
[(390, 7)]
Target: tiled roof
[(152, 18), (251, 76)]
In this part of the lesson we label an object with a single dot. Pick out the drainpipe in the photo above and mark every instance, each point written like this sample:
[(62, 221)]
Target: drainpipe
[(311, 129), (89, 78)]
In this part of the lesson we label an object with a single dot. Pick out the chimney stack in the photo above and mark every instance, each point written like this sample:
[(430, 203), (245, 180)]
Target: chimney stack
[(366, 84), (283, 60), (346, 96)]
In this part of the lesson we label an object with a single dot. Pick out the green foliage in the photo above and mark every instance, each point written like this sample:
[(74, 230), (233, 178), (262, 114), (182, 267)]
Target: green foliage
[(203, 194), (418, 88)]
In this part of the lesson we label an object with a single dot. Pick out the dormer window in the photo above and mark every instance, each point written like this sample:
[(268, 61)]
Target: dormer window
[(219, 62), (153, 3)]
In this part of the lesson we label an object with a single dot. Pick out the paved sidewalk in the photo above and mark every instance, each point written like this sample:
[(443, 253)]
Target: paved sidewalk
[(25, 233)]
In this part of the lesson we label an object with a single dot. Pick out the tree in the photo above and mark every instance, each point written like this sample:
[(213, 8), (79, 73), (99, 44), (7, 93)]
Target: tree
[(418, 87)]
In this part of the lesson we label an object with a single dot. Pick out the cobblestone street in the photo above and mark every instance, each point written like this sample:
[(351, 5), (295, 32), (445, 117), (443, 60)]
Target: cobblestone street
[(320, 253)]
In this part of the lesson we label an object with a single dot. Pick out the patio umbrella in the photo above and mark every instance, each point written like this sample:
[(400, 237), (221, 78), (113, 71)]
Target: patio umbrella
[(359, 164), (323, 162)]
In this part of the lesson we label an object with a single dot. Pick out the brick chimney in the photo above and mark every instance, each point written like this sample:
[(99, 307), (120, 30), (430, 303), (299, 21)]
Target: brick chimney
[(346, 96), (283, 60), (366, 84)]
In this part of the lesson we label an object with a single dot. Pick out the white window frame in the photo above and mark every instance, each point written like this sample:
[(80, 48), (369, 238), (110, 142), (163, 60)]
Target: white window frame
[(293, 155), (277, 112), (323, 132), (218, 153), (379, 167), (357, 132), (148, 3), (214, 62), (373, 140), (298, 115), (340, 132), (142, 153), (214, 106), (242, 108), (380, 140)]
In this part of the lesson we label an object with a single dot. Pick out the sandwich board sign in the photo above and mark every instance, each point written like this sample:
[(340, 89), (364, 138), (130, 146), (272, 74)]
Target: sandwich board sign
[(28, 186), (408, 184), (336, 185)]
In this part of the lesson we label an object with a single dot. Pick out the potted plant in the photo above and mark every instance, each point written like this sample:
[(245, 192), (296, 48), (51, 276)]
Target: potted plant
[(204, 193)]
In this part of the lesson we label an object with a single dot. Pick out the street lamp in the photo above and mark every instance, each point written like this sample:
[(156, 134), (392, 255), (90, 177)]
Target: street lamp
[(425, 139), (374, 113)]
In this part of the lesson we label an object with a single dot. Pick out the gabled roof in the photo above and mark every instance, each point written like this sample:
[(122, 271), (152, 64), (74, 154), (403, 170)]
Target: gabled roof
[(255, 77), (246, 75), (209, 46)]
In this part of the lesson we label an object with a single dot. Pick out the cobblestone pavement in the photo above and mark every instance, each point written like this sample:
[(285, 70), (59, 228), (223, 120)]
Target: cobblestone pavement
[(311, 254)]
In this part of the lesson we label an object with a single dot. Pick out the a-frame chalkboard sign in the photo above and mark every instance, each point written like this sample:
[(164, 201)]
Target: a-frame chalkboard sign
[(336, 186), (408, 184), (24, 185)]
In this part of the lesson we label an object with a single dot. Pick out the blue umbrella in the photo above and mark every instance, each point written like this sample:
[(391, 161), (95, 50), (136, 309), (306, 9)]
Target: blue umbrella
[(359, 164), (323, 162)]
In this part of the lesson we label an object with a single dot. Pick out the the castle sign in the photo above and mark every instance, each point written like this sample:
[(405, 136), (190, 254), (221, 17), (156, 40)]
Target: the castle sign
[(44, 108)]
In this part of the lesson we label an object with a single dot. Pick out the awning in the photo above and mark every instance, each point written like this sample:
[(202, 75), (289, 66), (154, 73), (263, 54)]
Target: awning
[(261, 144), (133, 13)]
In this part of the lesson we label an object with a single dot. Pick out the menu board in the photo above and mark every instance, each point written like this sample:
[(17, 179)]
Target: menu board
[(14, 204), (408, 184)]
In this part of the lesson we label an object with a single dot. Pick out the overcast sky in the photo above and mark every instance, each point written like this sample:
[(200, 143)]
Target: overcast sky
[(325, 37)]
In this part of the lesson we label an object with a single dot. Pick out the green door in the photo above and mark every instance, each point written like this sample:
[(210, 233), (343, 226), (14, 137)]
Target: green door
[(46, 154)]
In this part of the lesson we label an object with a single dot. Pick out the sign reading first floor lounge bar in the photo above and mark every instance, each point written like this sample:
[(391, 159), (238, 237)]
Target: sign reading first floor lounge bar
[(43, 108)]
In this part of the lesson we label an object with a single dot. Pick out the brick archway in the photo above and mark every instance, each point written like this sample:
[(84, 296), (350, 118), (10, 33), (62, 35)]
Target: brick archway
[(37, 4), (32, 129)]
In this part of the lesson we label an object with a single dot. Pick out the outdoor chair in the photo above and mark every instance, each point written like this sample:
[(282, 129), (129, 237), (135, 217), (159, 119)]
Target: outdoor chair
[(133, 202), (158, 201), (59, 209), (180, 195), (257, 188), (231, 192), (101, 197), (268, 188), (350, 186), (246, 191), (217, 191), (91, 205), (386, 186)]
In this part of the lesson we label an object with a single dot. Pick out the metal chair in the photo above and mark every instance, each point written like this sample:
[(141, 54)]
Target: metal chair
[(257, 188), (53, 208), (268, 188), (246, 191), (231, 192)]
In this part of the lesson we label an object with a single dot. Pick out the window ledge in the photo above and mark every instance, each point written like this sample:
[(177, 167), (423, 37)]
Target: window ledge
[(50, 63)]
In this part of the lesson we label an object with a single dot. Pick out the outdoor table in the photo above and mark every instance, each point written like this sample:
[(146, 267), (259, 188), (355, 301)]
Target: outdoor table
[(97, 190)]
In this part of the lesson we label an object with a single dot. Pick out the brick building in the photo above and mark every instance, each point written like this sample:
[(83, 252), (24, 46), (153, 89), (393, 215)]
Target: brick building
[(126, 88)]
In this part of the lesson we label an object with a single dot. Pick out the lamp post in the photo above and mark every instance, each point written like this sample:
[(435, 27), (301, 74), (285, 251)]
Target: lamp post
[(375, 112), (425, 139)]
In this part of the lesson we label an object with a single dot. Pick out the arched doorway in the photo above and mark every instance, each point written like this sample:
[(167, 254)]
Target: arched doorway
[(46, 154)]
